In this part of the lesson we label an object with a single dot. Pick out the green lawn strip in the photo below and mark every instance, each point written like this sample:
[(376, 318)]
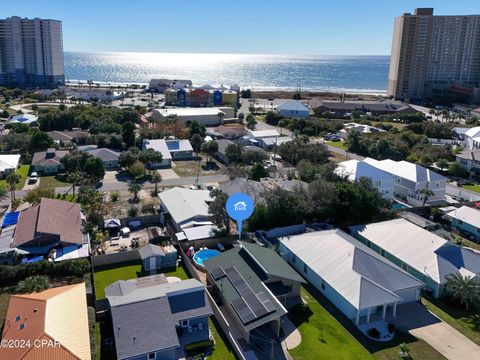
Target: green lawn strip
[(221, 349), (23, 172), (327, 333), (52, 182), (337, 144), (475, 188), (467, 323)]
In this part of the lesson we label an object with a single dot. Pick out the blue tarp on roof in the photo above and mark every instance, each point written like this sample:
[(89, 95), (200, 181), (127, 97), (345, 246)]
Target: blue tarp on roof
[(10, 219), (32, 260)]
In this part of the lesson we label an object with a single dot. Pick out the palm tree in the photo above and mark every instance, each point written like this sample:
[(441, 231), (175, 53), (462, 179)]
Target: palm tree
[(156, 177), (426, 194), (74, 178), (134, 188), (12, 180), (466, 288), (3, 192)]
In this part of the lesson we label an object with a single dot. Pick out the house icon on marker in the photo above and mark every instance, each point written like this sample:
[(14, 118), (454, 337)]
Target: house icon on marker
[(240, 206)]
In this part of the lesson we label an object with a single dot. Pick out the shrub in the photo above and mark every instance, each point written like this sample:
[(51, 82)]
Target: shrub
[(133, 211), (114, 196), (33, 284), (373, 333)]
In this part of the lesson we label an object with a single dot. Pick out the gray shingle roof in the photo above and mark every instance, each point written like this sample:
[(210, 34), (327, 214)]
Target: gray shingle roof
[(150, 250)]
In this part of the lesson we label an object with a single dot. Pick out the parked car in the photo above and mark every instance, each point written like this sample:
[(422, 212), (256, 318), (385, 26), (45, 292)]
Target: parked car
[(33, 178)]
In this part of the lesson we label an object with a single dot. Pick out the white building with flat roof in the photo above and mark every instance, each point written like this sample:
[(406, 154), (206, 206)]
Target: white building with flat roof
[(171, 150), (208, 116)]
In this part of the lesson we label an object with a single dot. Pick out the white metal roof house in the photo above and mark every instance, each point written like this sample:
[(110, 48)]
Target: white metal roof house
[(207, 116), (294, 109), (411, 179), (186, 208), (472, 138), (171, 150), (355, 170), (362, 128), (422, 253), (8, 164), (266, 139), (466, 220), (359, 282)]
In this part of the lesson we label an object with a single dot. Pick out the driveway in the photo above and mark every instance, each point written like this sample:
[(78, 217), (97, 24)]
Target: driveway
[(418, 321)]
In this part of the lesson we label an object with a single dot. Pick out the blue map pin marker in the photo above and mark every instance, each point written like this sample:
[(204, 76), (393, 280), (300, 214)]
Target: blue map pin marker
[(239, 208)]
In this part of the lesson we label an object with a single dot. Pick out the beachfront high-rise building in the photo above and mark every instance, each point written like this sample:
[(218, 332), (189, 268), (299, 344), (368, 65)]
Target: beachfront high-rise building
[(435, 56), (31, 52)]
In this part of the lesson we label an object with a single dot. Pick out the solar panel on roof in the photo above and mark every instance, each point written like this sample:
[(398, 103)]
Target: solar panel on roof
[(243, 311)]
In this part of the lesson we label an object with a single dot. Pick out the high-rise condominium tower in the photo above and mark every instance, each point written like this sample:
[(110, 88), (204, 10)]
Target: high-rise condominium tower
[(31, 52), (434, 55)]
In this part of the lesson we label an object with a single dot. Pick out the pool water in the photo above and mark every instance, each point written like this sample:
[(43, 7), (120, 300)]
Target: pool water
[(203, 255), (398, 206)]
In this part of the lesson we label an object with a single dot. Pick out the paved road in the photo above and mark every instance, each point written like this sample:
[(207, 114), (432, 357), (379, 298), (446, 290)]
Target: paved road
[(417, 320)]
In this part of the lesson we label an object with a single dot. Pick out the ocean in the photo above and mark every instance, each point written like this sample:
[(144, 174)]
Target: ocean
[(363, 74)]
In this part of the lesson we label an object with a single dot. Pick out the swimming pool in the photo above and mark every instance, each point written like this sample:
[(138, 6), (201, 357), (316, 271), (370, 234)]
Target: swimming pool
[(203, 255)]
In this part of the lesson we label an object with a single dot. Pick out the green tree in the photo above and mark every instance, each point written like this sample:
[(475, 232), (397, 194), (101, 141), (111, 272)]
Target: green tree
[(127, 158), (3, 192), (41, 141), (197, 128), (217, 210), (307, 171), (156, 178), (233, 153), (273, 118), (94, 168), (74, 178), (251, 122), (196, 142), (465, 289), (128, 133), (258, 171), (209, 148), (32, 284), (35, 195), (427, 193), (442, 164), (134, 189), (136, 170), (12, 180), (456, 169)]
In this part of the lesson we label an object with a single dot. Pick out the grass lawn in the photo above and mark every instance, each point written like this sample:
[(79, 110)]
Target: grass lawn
[(191, 168), (328, 334), (475, 188), (337, 144), (222, 349), (52, 182), (4, 299), (468, 323), (23, 172)]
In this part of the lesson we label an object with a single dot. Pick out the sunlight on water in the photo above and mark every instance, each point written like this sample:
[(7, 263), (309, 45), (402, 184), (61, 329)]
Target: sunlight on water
[(260, 72)]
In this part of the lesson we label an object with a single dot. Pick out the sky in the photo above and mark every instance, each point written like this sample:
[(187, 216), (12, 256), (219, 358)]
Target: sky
[(300, 27)]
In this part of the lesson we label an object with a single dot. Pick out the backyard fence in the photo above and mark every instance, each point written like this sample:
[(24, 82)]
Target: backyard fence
[(120, 257), (188, 265)]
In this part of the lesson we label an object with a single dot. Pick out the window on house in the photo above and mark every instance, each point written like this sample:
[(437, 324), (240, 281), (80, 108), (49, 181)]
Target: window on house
[(382, 252), (21, 326), (18, 318), (152, 356), (305, 268), (184, 323), (323, 284)]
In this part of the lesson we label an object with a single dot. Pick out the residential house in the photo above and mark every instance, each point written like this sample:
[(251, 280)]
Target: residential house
[(170, 150), (252, 188), (155, 317), (423, 254), (255, 287), (193, 234), (185, 208), (56, 317), (109, 157), (472, 138), (48, 162), (156, 257), (221, 154), (470, 160), (28, 119), (266, 139), (8, 164), (375, 108), (68, 138), (199, 98), (360, 283), (466, 220), (410, 181), (361, 128), (294, 109), (231, 132), (381, 180), (458, 133), (51, 225)]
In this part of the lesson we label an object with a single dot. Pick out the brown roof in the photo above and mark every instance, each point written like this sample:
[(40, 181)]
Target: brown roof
[(50, 217), (469, 155), (67, 135), (40, 158), (57, 314)]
